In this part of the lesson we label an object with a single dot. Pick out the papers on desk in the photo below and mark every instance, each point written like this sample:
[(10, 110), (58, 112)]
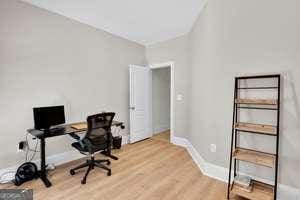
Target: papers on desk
[(79, 126), (83, 125)]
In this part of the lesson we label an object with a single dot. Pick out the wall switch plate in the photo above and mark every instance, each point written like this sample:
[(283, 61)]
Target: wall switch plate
[(179, 97), (213, 148)]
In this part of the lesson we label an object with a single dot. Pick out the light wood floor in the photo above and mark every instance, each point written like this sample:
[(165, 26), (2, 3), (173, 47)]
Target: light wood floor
[(148, 170), (163, 136)]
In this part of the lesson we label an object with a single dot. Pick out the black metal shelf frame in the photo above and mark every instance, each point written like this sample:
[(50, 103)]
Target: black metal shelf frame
[(256, 108), (256, 88), (256, 132), (235, 132)]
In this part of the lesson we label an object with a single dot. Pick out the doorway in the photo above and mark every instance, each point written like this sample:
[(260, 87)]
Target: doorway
[(161, 101), (141, 114)]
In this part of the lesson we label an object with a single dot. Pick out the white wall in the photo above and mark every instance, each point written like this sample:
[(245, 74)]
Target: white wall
[(174, 50), (233, 38), (47, 59), (40, 52), (161, 99)]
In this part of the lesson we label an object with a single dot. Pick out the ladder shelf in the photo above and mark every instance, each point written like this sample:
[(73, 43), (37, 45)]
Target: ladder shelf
[(271, 102), (256, 157), (259, 190), (256, 128)]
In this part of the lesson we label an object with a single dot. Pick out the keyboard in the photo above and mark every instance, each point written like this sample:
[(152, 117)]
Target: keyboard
[(57, 130)]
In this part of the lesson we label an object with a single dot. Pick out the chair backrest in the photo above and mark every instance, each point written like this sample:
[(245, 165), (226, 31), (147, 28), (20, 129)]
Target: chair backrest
[(98, 127)]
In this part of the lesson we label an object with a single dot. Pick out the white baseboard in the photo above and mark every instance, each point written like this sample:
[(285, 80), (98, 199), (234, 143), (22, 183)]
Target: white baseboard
[(179, 141), (206, 168), (125, 139), (61, 158), (58, 159), (221, 173)]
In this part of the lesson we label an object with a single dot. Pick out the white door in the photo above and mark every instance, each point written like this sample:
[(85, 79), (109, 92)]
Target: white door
[(139, 103)]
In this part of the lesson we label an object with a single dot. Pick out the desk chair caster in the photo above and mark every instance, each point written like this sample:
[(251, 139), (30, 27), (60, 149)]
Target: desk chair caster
[(83, 181), (72, 172), (109, 173), (91, 164), (108, 162)]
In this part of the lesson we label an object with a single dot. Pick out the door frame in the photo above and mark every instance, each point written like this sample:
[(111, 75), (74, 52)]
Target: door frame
[(170, 64)]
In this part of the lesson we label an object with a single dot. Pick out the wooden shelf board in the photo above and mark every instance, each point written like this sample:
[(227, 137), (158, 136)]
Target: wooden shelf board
[(260, 191), (258, 128), (259, 158), (271, 102)]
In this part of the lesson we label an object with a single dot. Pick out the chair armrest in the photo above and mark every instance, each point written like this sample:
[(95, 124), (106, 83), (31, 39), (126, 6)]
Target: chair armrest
[(75, 136), (84, 143)]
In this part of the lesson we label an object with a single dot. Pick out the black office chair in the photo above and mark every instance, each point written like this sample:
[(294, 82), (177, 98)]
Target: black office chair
[(97, 138)]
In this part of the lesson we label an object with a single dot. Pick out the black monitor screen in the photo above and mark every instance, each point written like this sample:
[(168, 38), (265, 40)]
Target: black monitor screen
[(45, 117)]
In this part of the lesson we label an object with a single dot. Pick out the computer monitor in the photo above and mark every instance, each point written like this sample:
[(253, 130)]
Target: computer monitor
[(45, 117)]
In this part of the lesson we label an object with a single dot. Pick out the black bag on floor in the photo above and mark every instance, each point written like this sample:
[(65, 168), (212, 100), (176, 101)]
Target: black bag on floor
[(26, 172)]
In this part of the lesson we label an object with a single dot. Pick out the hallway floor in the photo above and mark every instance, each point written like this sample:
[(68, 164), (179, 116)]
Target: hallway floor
[(163, 136)]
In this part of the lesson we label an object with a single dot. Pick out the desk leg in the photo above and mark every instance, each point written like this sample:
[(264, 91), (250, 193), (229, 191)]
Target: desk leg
[(43, 172)]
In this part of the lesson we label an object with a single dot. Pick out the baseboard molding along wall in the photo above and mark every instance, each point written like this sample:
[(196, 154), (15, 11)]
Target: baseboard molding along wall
[(221, 173), (56, 159)]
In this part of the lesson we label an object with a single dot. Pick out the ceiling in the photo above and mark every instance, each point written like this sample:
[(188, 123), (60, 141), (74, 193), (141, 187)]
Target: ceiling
[(143, 21)]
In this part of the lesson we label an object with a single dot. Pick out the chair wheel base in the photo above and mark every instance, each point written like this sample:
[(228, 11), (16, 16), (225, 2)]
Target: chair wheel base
[(83, 182), (72, 172), (109, 173)]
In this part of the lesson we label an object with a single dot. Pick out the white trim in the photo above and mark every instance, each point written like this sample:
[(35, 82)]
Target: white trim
[(59, 159), (180, 141), (56, 159), (221, 173), (164, 65), (125, 139)]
